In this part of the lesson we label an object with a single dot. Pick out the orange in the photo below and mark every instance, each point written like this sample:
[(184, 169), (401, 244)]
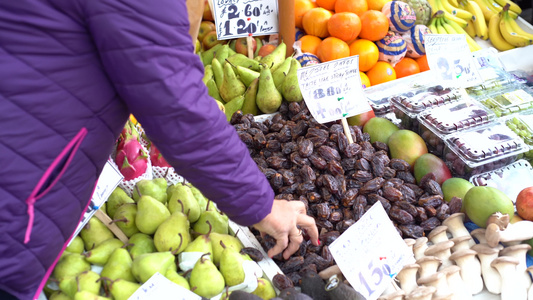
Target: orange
[(345, 26), (365, 82), (381, 72), (356, 6), (327, 4), (422, 63), (332, 48), (374, 25), (377, 4), (310, 43), (315, 21), (405, 67), (368, 53), (300, 8)]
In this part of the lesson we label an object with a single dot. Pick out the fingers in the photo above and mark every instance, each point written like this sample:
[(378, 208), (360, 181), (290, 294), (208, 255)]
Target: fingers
[(281, 244), (308, 223), (294, 244)]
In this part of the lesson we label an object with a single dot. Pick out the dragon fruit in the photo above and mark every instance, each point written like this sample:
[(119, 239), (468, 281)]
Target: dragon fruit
[(157, 158), (131, 157)]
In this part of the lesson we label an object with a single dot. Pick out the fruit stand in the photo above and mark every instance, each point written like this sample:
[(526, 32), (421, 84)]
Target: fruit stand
[(449, 167)]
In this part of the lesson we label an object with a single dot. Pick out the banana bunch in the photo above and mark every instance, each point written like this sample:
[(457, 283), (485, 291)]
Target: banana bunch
[(440, 23), (505, 33), (493, 7), (477, 26), (452, 13)]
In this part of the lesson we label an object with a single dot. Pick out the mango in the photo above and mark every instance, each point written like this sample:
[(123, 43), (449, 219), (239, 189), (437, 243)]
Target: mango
[(379, 129), (430, 163), (455, 187), (407, 145), (482, 201), (361, 119)]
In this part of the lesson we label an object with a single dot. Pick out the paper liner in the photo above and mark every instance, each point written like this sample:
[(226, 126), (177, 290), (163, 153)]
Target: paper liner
[(145, 142)]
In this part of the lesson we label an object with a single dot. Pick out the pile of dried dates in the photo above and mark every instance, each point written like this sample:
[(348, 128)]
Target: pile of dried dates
[(337, 181)]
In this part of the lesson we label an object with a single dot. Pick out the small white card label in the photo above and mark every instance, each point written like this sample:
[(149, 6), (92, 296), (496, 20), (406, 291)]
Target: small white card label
[(240, 18), (332, 90), (449, 56), (371, 251), (160, 288)]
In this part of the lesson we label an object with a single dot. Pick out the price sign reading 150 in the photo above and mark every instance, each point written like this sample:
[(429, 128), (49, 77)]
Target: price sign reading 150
[(237, 18)]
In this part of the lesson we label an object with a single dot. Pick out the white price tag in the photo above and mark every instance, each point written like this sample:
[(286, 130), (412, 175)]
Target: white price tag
[(371, 251), (449, 56), (159, 287), (238, 18), (332, 90)]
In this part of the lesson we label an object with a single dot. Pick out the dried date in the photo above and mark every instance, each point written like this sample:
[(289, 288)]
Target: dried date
[(276, 127), (247, 139), (443, 212), (392, 194), (253, 253), (328, 153), (421, 214), (297, 160), (362, 164), (372, 185), (430, 200), (455, 205), (326, 194), (378, 165), (362, 176), (288, 177), (305, 148), (295, 277), (334, 168), (406, 176), (281, 282), (276, 162), (415, 188), (348, 198), (317, 161), (323, 211), (305, 188), (432, 187), (380, 146), (366, 155), (273, 145), (352, 150), (430, 224), (329, 237), (259, 140), (408, 207), (335, 216), (293, 264), (313, 197), (430, 211), (284, 135), (389, 173), (344, 224), (317, 260), (236, 117), (411, 231), (342, 142), (324, 225), (288, 147), (300, 129), (424, 180), (401, 216), (341, 180), (358, 211), (373, 198)]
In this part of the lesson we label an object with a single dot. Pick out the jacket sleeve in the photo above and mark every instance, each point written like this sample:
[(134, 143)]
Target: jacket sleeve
[(147, 53)]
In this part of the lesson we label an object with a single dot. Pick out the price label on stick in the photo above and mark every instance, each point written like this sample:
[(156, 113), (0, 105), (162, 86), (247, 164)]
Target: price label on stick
[(159, 287), (450, 57), (238, 18), (371, 252), (332, 90)]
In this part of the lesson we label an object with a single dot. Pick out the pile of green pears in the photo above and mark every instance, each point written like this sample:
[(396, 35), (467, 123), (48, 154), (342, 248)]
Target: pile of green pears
[(161, 223), (254, 86)]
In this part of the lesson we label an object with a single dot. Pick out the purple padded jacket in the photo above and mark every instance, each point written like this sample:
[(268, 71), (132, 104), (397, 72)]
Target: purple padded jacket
[(71, 71)]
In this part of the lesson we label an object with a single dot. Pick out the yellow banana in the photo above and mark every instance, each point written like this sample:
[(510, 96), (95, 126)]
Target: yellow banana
[(455, 19), (478, 19), (513, 6), (440, 28), (509, 34), (519, 29), (449, 29), (434, 6), (497, 8), (472, 44), (454, 3), (470, 29), (487, 12), (458, 12), (495, 35), (432, 25)]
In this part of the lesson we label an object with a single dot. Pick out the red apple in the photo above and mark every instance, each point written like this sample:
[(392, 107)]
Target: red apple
[(210, 40), (361, 119), (208, 15), (241, 46), (266, 50), (524, 203), (205, 28)]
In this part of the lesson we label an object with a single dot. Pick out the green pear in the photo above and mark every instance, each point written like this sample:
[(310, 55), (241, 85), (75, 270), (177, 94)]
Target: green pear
[(206, 280), (211, 221), (140, 243), (202, 243), (250, 106), (230, 266), (231, 85), (173, 234), (122, 289), (242, 60), (279, 75), (264, 289), (150, 214), (125, 218), (156, 188), (222, 53), (290, 88), (85, 281), (207, 56), (276, 57), (183, 200), (116, 199), (95, 232), (228, 240), (84, 295), (71, 264), (268, 98), (200, 198), (59, 296), (100, 254), (118, 266), (246, 75), (218, 72), (212, 90), (208, 74), (233, 106), (76, 245), (177, 279), (146, 265)]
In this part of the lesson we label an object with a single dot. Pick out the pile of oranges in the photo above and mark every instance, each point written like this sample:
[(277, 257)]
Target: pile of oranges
[(340, 28)]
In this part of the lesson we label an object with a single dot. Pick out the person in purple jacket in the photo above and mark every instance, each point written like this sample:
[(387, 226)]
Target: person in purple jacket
[(71, 72)]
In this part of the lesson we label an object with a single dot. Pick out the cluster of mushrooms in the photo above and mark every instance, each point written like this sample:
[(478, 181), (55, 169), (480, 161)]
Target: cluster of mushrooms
[(451, 265)]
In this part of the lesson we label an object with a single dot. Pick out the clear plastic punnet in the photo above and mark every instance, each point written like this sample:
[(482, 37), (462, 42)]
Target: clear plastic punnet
[(510, 179), (513, 99), (482, 149), (522, 125), (493, 80), (408, 105), (438, 122)]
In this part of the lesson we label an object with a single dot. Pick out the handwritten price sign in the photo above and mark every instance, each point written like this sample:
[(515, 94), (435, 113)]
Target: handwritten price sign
[(238, 18), (332, 90), (450, 57), (371, 252)]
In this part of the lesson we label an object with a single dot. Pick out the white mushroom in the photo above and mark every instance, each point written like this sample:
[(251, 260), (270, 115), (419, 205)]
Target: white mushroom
[(450, 296), (330, 271), (420, 246), (442, 251), (428, 265), (421, 293), (410, 243), (519, 231), (461, 242), (456, 226), (391, 288), (502, 220), (490, 275), (407, 277), (457, 285), (398, 295), (439, 281), (512, 288), (530, 291), (470, 269), (438, 234), (479, 235), (519, 252)]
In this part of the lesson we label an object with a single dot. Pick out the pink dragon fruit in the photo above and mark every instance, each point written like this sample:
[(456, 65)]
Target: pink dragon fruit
[(128, 132), (134, 170), (157, 158), (131, 157)]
